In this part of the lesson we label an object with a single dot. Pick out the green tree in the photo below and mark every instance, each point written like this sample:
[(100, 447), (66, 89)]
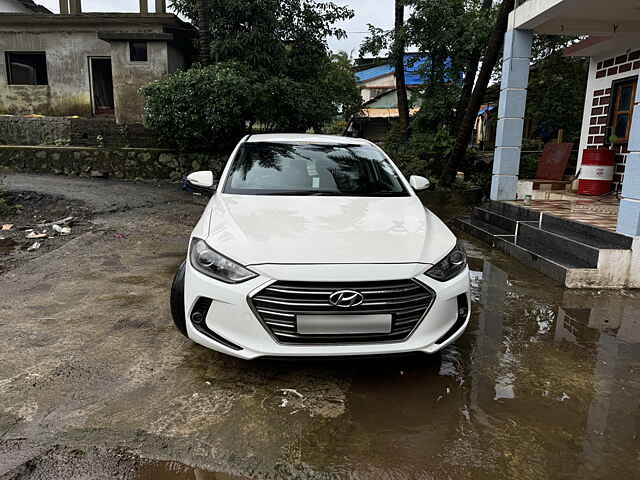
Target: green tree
[(555, 98), (492, 53), (449, 33), (271, 70), (272, 37), (398, 51)]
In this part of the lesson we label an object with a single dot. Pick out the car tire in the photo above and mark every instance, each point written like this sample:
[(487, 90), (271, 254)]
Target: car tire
[(177, 300)]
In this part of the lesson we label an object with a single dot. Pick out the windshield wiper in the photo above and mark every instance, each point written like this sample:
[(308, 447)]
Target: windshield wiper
[(330, 193), (304, 192)]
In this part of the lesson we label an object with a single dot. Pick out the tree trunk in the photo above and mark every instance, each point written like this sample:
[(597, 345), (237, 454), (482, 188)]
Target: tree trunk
[(399, 45), (470, 74), (204, 34), (494, 47)]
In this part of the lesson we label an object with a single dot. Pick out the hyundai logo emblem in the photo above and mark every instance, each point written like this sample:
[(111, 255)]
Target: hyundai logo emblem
[(346, 299)]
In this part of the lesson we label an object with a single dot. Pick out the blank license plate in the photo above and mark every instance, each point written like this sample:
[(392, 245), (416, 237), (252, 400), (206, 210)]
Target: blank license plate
[(343, 324)]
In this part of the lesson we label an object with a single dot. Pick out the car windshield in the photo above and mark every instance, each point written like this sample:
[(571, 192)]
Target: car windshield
[(310, 169)]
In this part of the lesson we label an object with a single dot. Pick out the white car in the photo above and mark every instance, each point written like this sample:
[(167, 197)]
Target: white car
[(317, 246)]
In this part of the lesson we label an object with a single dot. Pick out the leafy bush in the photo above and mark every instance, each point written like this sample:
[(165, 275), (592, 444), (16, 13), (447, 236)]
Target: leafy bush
[(423, 154), (202, 107), (212, 107)]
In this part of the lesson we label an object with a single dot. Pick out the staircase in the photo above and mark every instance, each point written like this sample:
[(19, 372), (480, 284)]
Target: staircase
[(576, 255)]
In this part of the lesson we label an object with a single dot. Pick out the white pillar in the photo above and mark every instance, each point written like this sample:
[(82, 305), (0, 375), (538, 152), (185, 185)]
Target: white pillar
[(513, 98), (629, 213), (75, 7)]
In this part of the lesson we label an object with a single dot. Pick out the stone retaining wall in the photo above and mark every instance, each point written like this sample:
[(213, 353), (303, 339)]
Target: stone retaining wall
[(125, 163), (18, 130)]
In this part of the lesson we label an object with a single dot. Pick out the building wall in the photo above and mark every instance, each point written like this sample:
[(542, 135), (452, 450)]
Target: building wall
[(386, 81), (68, 91), (11, 6), (176, 59), (390, 100), (603, 71), (129, 76)]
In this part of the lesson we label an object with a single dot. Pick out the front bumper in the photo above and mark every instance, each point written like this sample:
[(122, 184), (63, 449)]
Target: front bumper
[(232, 327)]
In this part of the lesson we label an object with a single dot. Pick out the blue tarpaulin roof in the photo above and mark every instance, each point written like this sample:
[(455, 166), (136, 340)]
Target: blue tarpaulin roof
[(485, 110), (412, 65)]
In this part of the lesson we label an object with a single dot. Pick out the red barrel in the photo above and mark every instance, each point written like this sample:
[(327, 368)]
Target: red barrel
[(596, 172)]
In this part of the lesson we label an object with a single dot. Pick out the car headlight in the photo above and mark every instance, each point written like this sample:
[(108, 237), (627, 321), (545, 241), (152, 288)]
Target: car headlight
[(214, 265), (449, 266)]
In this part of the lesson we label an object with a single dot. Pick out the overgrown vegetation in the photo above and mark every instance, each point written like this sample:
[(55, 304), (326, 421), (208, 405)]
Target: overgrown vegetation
[(555, 98), (457, 37), (270, 69)]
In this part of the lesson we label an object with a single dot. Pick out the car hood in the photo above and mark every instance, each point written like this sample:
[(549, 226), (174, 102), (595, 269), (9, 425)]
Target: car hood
[(256, 230)]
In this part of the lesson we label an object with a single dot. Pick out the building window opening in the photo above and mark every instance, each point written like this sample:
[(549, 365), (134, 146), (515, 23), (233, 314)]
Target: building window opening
[(27, 68), (624, 93), (138, 51)]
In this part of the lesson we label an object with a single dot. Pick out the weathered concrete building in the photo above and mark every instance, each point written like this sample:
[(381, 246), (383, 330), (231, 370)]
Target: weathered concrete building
[(86, 64)]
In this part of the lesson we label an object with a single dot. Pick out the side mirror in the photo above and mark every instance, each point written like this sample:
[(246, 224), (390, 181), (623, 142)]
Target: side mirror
[(418, 183), (201, 182)]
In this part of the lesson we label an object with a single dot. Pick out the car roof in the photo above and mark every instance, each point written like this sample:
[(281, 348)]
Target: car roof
[(305, 138)]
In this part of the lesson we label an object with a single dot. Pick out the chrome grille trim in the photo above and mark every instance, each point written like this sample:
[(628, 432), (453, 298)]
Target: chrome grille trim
[(277, 305)]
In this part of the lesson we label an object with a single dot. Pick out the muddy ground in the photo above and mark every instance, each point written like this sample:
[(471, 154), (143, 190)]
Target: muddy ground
[(28, 219), (95, 383)]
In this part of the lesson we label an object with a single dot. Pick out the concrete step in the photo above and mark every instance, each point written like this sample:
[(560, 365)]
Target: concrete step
[(558, 248), (577, 255), (513, 212), (586, 234), (490, 217), (483, 230), (505, 243)]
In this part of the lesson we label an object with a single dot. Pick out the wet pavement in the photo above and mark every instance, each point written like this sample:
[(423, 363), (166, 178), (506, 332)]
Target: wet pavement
[(95, 383)]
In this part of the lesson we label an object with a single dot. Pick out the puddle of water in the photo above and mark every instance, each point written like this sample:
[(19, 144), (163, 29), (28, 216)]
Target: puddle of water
[(177, 471), (544, 384)]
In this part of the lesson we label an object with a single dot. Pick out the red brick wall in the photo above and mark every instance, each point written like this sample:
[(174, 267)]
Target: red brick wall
[(598, 124)]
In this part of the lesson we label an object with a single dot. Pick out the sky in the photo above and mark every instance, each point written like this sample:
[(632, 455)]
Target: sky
[(376, 12)]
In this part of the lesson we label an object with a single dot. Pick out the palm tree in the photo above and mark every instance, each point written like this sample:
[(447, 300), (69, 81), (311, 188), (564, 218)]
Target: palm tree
[(204, 34)]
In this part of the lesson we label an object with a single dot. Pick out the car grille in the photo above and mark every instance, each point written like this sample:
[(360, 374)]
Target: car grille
[(278, 305)]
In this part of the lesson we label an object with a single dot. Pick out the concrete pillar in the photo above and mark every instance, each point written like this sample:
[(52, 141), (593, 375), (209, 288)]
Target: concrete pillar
[(629, 213), (64, 7), (161, 6), (513, 97), (144, 6), (75, 7)]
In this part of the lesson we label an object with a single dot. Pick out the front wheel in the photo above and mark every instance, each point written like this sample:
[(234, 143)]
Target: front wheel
[(177, 300)]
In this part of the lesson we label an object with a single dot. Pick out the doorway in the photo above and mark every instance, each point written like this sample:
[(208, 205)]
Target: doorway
[(101, 85)]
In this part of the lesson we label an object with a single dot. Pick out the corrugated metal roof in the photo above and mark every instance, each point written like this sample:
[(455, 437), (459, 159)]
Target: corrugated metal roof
[(412, 77)]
